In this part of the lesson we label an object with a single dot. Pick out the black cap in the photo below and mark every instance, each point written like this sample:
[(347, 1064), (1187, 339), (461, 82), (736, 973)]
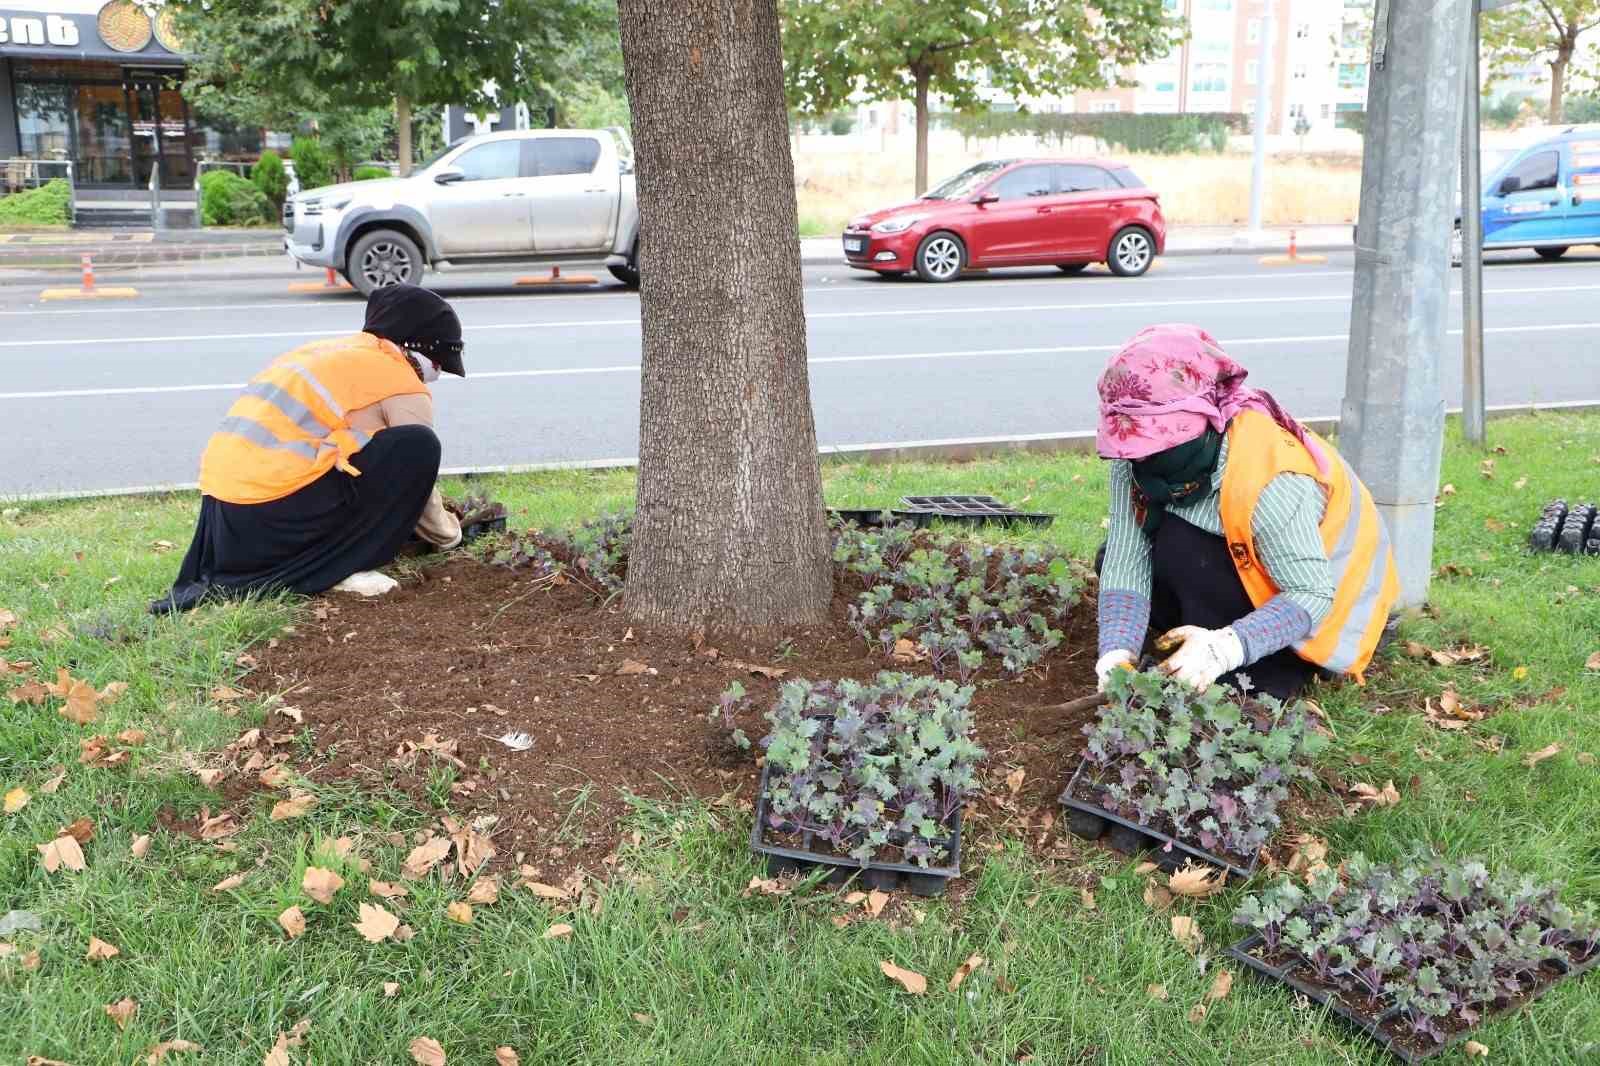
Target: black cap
[(418, 319)]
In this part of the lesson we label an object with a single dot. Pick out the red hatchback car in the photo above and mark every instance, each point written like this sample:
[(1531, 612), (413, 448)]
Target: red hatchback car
[(1016, 212)]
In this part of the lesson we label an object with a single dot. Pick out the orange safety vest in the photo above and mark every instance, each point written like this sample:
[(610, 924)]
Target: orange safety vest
[(290, 425), (1366, 583)]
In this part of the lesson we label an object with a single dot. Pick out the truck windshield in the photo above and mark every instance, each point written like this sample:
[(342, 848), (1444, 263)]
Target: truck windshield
[(964, 183)]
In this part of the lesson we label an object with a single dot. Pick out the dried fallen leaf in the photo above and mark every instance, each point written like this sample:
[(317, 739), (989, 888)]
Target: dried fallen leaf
[(425, 1050), (391, 989), (80, 706), (274, 776), (210, 778), (140, 846), (1014, 780), (973, 964), (158, 1052), (459, 912), (32, 692), (767, 886), (424, 857), (1197, 881), (910, 980), (544, 891), (1387, 796), (384, 890), (1593, 662), (1186, 931), (1533, 759), (485, 890), (121, 1011), (1087, 897), (1146, 867), (132, 737), (376, 923), (63, 852), (15, 800), (1197, 1014), (908, 651), (875, 902), (320, 884), (298, 807), (99, 950), (1586, 758), (1156, 897), (228, 884), (225, 694), (293, 922), (631, 667), (1475, 1050), (643, 1019), (506, 1056), (50, 786), (1221, 985), (1157, 992), (559, 931), (81, 830)]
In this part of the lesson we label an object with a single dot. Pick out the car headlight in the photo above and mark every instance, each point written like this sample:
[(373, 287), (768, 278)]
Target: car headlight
[(898, 224)]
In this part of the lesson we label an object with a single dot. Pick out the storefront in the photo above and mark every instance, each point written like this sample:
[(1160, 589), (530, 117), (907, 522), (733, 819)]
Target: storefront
[(97, 83)]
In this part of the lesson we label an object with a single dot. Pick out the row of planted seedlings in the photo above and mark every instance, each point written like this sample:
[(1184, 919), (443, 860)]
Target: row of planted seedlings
[(870, 778)]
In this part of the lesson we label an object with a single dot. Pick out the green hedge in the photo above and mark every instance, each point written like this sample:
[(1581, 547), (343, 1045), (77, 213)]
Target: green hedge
[(226, 199), (1157, 134), (312, 164), (271, 178), (371, 173), (48, 205)]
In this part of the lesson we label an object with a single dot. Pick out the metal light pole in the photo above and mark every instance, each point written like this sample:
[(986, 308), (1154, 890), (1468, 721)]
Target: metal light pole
[(1258, 161), (1393, 418)]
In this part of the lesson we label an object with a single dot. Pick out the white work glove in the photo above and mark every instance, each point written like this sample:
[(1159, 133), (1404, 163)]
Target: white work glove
[(1204, 655), (367, 583), (1112, 660), (460, 533)]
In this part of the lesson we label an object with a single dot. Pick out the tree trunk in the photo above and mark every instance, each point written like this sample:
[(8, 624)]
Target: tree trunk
[(729, 532), (402, 123), (922, 77)]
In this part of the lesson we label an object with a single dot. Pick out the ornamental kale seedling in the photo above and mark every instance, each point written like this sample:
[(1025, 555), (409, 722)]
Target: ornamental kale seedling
[(1203, 767), (1444, 942), (870, 767)]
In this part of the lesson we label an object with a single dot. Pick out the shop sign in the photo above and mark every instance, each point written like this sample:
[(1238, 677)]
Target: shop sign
[(38, 30)]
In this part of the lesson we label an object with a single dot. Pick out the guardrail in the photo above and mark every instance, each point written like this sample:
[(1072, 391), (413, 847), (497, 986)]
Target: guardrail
[(22, 174)]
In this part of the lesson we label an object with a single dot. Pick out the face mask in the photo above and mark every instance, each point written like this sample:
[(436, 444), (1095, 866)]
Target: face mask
[(430, 371)]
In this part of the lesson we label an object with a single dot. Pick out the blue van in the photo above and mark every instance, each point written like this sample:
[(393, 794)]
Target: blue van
[(1546, 197)]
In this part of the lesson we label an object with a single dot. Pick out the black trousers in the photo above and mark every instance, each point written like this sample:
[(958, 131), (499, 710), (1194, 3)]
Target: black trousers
[(311, 540), (1195, 584)]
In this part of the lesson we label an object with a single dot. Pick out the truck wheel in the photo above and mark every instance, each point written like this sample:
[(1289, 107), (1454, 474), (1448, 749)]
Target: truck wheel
[(628, 274), (1552, 253), (384, 257)]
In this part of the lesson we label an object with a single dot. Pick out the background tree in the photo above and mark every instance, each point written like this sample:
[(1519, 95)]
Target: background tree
[(729, 532), (1544, 30), (297, 55), (910, 49)]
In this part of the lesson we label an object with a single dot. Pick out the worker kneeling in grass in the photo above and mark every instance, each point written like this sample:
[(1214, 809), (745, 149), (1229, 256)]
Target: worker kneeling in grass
[(327, 463), (1239, 536)]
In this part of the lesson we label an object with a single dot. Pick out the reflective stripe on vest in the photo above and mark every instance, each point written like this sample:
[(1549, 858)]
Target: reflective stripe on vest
[(1353, 534), (290, 425)]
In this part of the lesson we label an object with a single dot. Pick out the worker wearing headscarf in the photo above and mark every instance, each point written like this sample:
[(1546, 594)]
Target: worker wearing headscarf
[(326, 464), (1238, 536)]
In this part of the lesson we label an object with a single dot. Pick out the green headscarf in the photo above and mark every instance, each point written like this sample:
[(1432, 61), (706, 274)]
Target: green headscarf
[(1175, 476)]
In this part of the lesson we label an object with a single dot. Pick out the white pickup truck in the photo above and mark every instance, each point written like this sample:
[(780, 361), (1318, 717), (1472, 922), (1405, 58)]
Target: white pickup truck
[(564, 197)]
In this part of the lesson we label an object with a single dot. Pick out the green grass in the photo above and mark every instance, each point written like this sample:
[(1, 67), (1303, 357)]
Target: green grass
[(725, 979)]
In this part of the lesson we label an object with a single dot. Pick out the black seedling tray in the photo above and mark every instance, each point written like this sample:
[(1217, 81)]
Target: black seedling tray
[(865, 517), (1373, 1025), (972, 510), (886, 876), (1570, 530), (1090, 822), (469, 533)]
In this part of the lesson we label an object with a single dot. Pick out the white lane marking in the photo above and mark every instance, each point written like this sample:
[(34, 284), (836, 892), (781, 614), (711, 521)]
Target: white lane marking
[(591, 323), (824, 360)]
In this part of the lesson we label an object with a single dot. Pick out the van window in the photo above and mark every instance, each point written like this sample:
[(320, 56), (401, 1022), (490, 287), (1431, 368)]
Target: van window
[(1542, 170)]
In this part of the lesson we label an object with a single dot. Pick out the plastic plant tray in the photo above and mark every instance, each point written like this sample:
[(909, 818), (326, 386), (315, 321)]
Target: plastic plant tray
[(973, 510), (469, 533), (1241, 953), (865, 517), (888, 876), (1090, 822)]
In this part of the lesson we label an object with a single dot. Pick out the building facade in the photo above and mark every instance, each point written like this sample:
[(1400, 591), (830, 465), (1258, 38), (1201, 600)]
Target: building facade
[(97, 82)]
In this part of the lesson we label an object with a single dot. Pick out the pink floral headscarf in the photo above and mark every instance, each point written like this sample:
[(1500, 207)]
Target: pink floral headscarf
[(1168, 385)]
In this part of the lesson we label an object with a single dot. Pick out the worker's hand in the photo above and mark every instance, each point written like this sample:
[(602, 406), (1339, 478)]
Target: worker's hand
[(1202, 655), (1120, 659)]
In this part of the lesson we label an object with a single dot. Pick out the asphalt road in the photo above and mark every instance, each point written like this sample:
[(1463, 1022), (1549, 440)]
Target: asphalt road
[(117, 394)]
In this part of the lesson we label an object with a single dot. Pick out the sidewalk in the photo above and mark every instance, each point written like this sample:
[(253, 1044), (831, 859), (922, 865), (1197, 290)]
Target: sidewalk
[(256, 254)]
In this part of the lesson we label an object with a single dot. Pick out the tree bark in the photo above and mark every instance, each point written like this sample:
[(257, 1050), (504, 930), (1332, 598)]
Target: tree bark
[(923, 77), (1558, 79), (402, 123), (729, 532)]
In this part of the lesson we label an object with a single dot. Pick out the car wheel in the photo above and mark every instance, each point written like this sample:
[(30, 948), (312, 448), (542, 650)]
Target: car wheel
[(1552, 253), (1072, 268), (1132, 252), (629, 273), (382, 258), (940, 257)]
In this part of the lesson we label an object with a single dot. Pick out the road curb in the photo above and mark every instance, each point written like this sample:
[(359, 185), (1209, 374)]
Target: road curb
[(949, 450)]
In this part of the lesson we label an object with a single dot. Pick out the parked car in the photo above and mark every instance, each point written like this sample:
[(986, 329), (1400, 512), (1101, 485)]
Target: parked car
[(526, 196), (1545, 197), (1016, 212)]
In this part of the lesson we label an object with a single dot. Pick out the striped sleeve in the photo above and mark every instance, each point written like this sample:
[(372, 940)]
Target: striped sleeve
[(1286, 524), (1126, 573)]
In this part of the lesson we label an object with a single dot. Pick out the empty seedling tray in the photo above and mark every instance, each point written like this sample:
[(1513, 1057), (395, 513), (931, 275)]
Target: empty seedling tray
[(1243, 953), (865, 517), (1089, 821), (971, 510), (1572, 530), (887, 876)]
